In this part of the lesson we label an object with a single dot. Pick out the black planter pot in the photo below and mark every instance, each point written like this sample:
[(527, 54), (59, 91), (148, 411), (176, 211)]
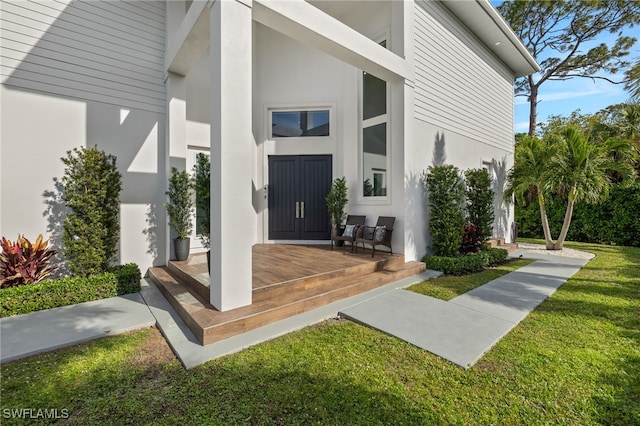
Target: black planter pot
[(337, 230), (209, 261), (181, 247)]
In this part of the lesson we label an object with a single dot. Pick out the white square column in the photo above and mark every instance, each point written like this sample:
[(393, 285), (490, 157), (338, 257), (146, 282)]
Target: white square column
[(175, 147), (232, 212)]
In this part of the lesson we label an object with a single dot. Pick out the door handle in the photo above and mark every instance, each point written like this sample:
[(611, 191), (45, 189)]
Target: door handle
[(297, 209), (302, 209)]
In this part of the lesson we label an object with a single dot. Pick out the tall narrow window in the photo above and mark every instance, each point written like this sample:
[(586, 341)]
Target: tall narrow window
[(374, 135)]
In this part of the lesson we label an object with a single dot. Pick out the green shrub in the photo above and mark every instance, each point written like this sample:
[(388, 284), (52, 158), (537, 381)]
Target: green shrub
[(615, 221), (446, 193), (479, 201), (181, 204), (493, 256), (467, 263), (202, 186), (128, 277), (92, 187), (123, 279)]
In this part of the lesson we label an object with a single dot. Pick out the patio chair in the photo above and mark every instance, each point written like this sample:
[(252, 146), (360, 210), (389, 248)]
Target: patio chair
[(347, 232), (379, 235)]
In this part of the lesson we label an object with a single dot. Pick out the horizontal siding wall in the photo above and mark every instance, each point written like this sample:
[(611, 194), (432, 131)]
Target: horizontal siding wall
[(460, 85), (103, 51)]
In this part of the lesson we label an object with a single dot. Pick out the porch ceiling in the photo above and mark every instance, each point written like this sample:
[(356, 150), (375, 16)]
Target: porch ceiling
[(190, 41), (304, 22), (297, 19)]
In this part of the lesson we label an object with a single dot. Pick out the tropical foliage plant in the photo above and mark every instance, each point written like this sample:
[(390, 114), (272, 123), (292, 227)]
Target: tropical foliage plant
[(336, 200), (23, 262), (92, 186)]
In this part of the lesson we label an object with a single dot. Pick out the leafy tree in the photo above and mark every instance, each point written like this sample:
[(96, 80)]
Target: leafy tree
[(446, 194), (479, 201), (573, 167), (557, 34), (92, 186), (632, 85)]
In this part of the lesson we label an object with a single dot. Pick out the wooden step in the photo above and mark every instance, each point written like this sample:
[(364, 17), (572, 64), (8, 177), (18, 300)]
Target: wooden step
[(193, 273), (500, 243), (210, 325), (185, 302), (324, 279)]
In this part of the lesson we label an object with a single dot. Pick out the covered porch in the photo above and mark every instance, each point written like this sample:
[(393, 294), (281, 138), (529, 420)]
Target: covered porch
[(222, 82), (286, 280)]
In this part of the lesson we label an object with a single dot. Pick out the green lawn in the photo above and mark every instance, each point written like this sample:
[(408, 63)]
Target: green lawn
[(447, 287), (574, 360)]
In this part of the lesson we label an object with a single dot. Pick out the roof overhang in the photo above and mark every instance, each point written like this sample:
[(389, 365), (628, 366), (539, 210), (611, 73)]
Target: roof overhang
[(490, 27)]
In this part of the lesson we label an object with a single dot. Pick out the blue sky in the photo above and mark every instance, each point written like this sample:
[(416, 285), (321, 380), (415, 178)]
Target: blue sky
[(564, 97)]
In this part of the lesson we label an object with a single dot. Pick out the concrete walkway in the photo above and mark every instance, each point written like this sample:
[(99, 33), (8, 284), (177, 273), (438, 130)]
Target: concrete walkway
[(43, 331), (460, 330), (464, 328)]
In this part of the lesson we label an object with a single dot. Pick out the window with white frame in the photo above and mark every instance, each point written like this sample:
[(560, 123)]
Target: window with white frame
[(375, 131), (299, 123)]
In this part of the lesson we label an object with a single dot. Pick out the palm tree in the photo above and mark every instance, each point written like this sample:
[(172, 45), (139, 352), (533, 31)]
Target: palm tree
[(528, 178), (586, 171), (569, 164)]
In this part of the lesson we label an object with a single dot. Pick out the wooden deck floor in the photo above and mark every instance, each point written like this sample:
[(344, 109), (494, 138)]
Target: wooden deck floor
[(279, 263), (287, 280)]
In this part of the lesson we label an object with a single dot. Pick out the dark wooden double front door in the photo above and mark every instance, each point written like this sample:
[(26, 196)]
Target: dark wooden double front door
[(298, 186)]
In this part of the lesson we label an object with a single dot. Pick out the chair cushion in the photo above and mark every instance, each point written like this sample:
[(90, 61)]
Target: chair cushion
[(380, 233), (349, 231)]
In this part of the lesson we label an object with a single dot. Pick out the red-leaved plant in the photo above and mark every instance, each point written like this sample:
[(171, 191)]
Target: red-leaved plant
[(25, 263)]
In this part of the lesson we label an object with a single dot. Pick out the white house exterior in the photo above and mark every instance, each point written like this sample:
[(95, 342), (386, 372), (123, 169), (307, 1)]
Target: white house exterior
[(284, 95)]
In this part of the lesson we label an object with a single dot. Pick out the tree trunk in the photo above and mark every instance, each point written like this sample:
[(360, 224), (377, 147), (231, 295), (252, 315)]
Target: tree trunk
[(545, 222), (533, 109), (565, 224)]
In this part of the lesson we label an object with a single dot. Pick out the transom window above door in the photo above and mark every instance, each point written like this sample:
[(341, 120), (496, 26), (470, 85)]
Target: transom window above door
[(299, 123)]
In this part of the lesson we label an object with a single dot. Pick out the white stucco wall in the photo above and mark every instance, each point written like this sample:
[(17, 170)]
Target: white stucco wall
[(463, 115), (433, 145), (83, 74), (290, 74)]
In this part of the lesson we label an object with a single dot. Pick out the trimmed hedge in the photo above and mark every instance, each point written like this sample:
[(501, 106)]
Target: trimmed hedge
[(466, 264), (121, 279), (615, 221)]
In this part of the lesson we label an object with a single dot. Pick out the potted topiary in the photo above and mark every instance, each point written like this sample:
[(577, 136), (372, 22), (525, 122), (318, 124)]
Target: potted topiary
[(180, 209), (202, 185), (336, 200)]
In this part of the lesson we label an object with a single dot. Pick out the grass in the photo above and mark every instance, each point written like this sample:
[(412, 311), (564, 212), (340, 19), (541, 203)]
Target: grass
[(574, 360), (446, 287)]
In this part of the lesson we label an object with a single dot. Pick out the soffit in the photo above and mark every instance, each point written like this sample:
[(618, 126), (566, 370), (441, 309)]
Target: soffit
[(489, 26)]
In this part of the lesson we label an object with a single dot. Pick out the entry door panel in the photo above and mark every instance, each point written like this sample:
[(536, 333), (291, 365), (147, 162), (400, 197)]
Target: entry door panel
[(298, 186)]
